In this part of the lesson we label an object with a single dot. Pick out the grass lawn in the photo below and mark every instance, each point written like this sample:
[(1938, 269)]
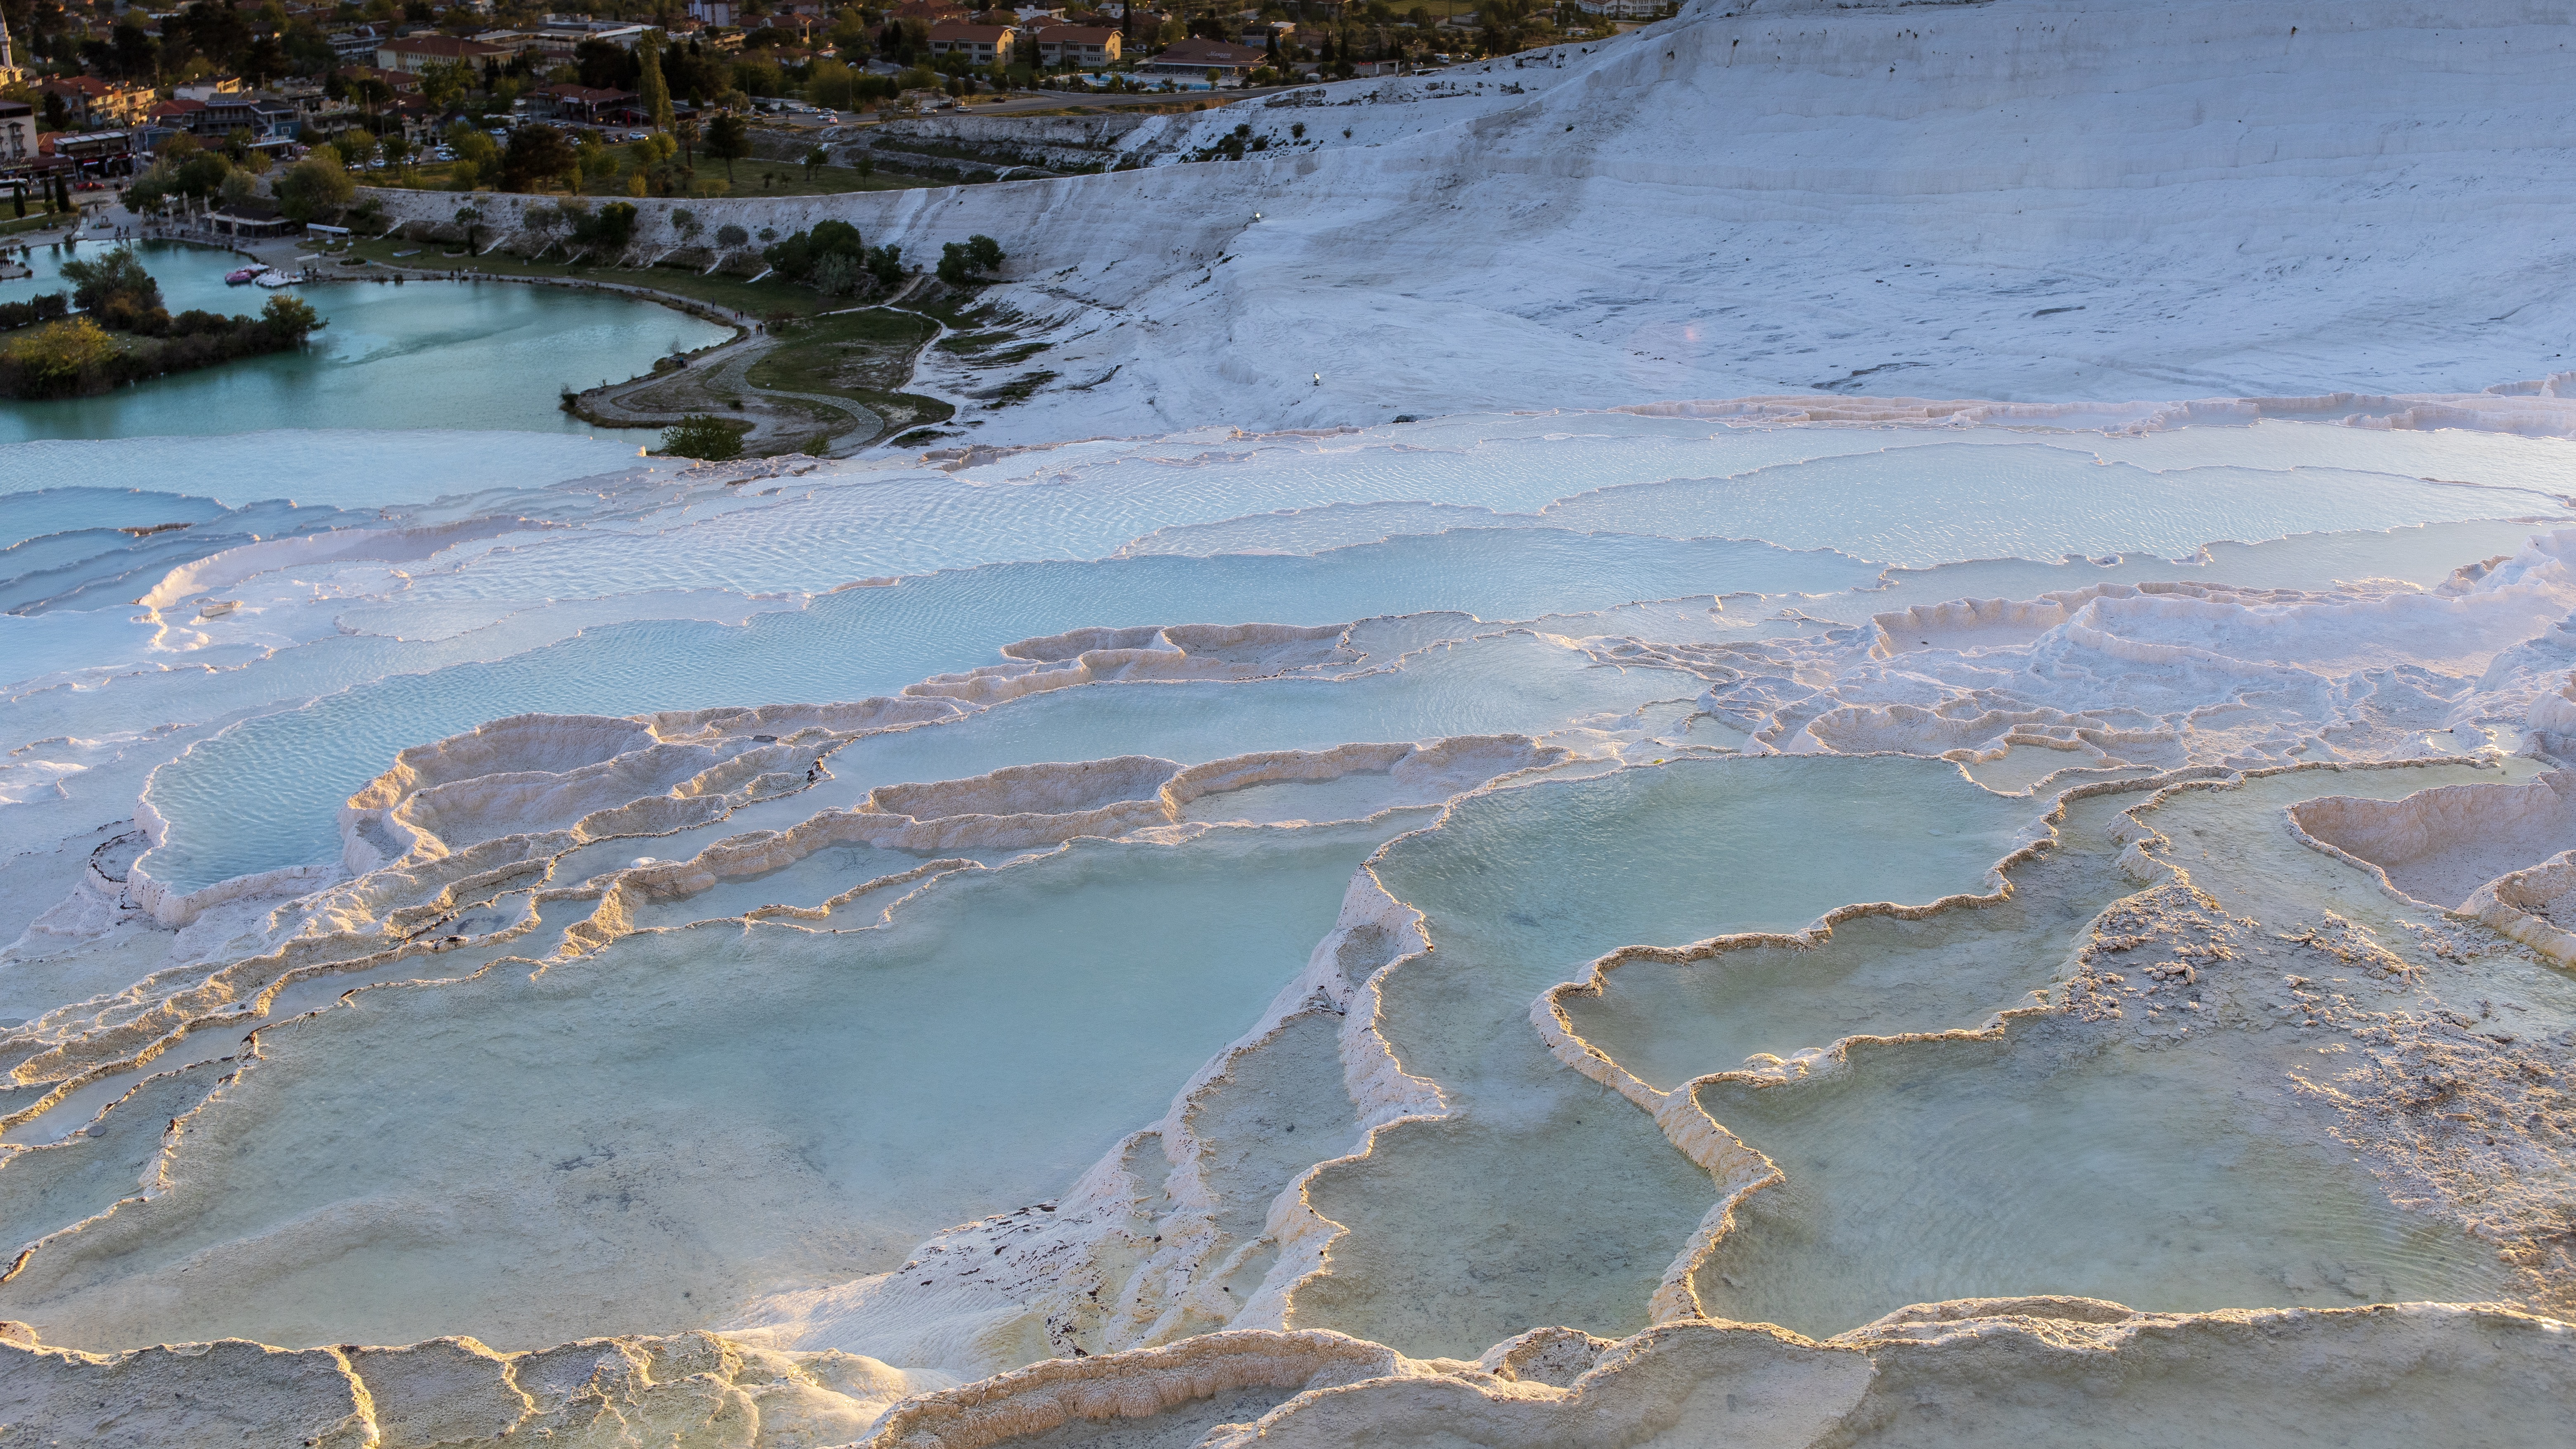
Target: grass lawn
[(34, 220), (864, 356)]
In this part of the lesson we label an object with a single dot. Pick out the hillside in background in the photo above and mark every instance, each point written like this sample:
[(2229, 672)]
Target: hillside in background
[(2027, 199)]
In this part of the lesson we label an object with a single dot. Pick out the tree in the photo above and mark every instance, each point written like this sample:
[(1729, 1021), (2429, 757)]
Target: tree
[(886, 265), (655, 91), (797, 257), (315, 187), (728, 140), (687, 133), (816, 157), (444, 83), (475, 148), (264, 61), (54, 358), (288, 319), (470, 218), (685, 222), (132, 51), (837, 275), (699, 436), (117, 276), (58, 116), (729, 235), (537, 154), (370, 94), (830, 85), (960, 262), (608, 229), (608, 66)]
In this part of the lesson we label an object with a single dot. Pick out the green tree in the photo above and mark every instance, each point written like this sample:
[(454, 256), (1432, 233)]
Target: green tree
[(960, 263), (537, 154), (655, 91), (816, 157), (728, 140), (608, 229), (837, 275), (475, 148), (288, 319), (444, 83), (830, 85), (470, 218), (315, 187), (55, 358), (116, 276), (698, 436)]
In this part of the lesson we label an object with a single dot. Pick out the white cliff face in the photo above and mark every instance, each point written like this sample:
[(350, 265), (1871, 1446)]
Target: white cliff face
[(2026, 199)]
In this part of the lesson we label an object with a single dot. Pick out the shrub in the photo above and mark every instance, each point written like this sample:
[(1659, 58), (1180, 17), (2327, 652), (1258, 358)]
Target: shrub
[(962, 263), (702, 437), (836, 275), (55, 360), (315, 187), (608, 229), (797, 257), (729, 235), (49, 307), (537, 153), (886, 265)]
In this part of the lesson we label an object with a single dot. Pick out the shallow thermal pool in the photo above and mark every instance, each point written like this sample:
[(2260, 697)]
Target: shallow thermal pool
[(1431, 883)]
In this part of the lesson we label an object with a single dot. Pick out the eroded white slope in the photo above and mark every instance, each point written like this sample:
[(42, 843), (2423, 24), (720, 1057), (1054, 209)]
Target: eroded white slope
[(2026, 199)]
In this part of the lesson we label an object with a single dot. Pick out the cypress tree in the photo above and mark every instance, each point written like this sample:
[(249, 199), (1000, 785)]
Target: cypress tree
[(656, 92)]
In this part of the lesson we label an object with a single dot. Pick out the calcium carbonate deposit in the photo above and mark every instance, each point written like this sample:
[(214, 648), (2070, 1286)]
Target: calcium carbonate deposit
[(1671, 915)]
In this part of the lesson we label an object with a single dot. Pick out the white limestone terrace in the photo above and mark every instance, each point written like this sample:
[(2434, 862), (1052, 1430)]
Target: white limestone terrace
[(2026, 199)]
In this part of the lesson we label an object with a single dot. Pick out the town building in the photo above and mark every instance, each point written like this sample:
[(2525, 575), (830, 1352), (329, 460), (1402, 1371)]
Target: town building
[(1083, 46), (251, 219), (17, 133), (100, 153), (94, 103), (981, 45), (418, 53), (587, 104), (1196, 56)]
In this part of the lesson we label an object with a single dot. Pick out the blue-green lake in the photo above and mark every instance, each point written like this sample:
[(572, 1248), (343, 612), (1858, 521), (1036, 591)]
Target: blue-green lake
[(487, 356)]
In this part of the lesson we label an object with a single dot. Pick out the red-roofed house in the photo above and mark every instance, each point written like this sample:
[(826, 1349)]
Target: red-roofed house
[(586, 103), (1195, 56), (94, 102)]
